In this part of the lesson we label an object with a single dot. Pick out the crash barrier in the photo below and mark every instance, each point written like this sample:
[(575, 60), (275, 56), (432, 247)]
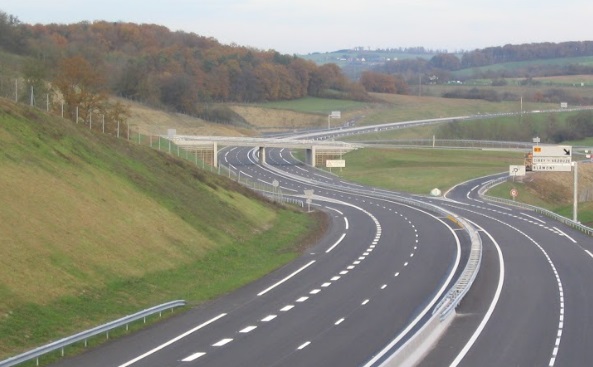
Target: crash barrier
[(85, 335), (444, 312), (569, 222)]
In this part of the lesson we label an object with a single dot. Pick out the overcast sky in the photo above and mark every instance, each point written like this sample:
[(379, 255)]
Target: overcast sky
[(305, 26)]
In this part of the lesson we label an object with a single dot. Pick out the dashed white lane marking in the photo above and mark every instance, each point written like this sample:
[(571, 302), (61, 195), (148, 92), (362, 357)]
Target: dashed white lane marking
[(346, 221), (173, 340), (248, 329), (268, 318), (532, 217), (315, 291), (365, 302), (287, 308), (302, 299), (304, 345), (193, 357), (565, 235), (285, 279), (339, 321), (222, 342), (333, 279), (336, 244), (589, 252), (326, 284), (384, 286)]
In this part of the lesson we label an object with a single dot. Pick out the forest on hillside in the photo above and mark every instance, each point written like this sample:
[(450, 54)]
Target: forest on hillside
[(149, 63)]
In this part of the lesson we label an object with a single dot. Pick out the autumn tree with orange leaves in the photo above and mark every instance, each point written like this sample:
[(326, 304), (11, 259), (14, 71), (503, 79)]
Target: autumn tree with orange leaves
[(81, 87)]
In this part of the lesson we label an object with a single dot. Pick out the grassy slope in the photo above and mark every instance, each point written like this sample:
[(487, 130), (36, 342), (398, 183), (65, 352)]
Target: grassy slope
[(554, 191), (94, 228)]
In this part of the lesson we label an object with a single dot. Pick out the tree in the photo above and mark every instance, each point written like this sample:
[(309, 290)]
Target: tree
[(377, 82), (445, 61), (81, 86)]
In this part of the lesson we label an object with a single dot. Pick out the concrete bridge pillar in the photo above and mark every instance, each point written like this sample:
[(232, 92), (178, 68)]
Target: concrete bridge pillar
[(215, 154), (262, 155), (311, 155)]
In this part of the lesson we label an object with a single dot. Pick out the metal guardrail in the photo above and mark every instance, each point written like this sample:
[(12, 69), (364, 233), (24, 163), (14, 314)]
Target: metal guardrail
[(85, 335), (468, 275), (547, 213)]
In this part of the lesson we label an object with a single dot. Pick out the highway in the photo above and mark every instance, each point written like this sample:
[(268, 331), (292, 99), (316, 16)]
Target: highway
[(374, 277), (531, 303)]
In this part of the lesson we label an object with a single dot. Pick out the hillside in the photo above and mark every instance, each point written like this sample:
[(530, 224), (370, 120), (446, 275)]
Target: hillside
[(94, 227)]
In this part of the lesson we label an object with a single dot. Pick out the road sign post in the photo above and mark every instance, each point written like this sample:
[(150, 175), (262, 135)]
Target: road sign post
[(309, 198), (514, 193)]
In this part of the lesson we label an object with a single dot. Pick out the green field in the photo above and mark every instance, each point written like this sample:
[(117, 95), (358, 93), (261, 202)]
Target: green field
[(316, 105), (95, 228), (504, 128), (512, 66), (421, 170)]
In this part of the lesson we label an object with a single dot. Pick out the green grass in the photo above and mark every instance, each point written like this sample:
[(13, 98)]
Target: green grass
[(504, 128), (528, 195), (316, 105), (421, 170), (94, 228), (512, 66)]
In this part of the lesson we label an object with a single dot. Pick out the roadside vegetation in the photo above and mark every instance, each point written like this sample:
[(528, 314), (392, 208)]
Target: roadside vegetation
[(94, 228)]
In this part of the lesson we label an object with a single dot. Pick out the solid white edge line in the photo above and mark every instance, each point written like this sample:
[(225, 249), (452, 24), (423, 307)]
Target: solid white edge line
[(346, 221), (488, 314), (285, 279), (330, 208), (172, 341)]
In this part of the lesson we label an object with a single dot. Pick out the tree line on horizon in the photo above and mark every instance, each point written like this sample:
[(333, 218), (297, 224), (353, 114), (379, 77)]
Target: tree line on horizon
[(179, 71), (188, 73)]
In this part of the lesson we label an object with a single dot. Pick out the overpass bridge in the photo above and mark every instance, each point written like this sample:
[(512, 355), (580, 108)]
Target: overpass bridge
[(317, 151)]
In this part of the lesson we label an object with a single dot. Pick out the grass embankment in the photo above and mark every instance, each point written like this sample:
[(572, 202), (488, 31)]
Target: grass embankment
[(421, 170), (94, 228), (554, 191)]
